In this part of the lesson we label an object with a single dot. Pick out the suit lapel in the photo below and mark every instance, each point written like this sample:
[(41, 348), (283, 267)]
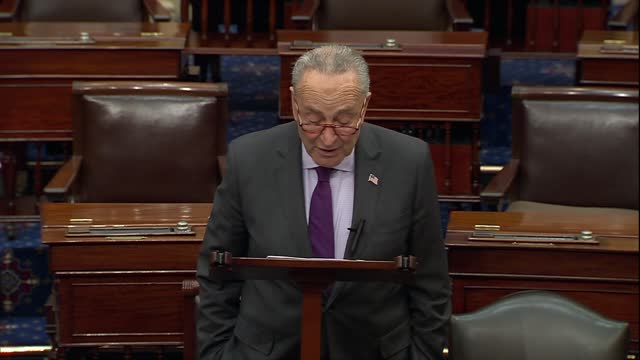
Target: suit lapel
[(288, 175), (365, 196), (367, 184)]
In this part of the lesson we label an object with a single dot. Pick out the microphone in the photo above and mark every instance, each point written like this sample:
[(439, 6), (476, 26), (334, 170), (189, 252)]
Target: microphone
[(354, 235)]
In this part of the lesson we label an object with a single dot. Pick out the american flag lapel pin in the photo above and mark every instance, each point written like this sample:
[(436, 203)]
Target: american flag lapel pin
[(373, 179)]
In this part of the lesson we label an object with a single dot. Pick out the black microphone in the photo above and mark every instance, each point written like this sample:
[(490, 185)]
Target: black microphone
[(354, 235)]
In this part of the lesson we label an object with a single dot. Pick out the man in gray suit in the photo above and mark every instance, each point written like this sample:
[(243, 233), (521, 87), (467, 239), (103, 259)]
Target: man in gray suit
[(379, 179)]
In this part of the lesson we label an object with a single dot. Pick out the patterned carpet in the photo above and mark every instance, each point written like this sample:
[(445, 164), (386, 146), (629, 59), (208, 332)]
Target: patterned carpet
[(25, 284), (253, 84)]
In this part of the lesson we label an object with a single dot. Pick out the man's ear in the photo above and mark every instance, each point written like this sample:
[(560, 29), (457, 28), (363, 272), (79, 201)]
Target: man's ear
[(293, 110), (366, 103)]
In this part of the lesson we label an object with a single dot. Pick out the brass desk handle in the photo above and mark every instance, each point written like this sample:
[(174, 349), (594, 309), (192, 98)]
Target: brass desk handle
[(113, 231)]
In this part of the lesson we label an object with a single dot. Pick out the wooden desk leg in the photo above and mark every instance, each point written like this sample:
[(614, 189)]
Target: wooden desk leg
[(249, 24), (487, 15), (60, 353), (37, 173), (448, 149), (475, 161), (311, 321), (556, 26), (509, 24), (9, 173), (272, 21), (227, 22), (204, 19), (531, 25)]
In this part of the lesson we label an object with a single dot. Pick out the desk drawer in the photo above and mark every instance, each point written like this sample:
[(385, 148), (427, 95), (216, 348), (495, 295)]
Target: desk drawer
[(98, 257)]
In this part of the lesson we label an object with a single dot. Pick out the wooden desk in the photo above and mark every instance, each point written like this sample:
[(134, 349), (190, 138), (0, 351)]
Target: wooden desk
[(39, 60), (122, 291), (596, 66), (603, 277), (431, 83)]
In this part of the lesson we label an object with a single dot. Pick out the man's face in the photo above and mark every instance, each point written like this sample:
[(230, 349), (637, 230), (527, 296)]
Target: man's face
[(329, 100)]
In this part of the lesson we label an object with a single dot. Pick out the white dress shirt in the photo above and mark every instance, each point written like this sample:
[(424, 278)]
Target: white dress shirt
[(342, 193)]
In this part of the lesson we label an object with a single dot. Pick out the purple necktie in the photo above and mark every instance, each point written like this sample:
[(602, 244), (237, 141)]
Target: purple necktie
[(321, 216)]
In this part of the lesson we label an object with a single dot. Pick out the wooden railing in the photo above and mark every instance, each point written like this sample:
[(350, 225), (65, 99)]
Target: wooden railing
[(546, 26)]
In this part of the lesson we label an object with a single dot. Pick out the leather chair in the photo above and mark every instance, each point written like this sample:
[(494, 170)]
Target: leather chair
[(536, 325), (573, 150), (144, 142), (426, 15), (85, 10)]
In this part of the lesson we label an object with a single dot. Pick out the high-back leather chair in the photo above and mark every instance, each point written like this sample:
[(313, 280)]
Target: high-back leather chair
[(427, 15), (536, 325), (573, 150), (144, 142), (86, 10)]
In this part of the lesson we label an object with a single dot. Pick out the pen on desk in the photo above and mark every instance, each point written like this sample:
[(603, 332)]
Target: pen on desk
[(356, 235)]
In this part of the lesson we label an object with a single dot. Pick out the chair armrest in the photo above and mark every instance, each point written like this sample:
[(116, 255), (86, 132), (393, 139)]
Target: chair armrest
[(8, 9), (156, 11), (460, 18), (303, 11), (190, 289), (499, 186), (64, 177), (624, 17)]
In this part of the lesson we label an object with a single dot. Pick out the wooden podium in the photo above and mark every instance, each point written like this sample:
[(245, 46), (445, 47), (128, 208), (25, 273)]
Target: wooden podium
[(313, 276), (601, 273)]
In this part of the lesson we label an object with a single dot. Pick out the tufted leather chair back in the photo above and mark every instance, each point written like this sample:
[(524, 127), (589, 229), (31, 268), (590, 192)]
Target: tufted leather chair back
[(577, 147), (536, 325), (149, 141)]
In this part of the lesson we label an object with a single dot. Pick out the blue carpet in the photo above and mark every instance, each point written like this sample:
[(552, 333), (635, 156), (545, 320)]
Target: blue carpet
[(25, 285), (537, 71), (243, 122), (23, 331), (495, 128), (253, 82)]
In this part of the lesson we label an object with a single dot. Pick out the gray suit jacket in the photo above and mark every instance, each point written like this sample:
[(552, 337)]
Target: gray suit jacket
[(259, 211)]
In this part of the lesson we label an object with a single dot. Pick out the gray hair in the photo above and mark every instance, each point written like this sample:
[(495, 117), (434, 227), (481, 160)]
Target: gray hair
[(332, 59)]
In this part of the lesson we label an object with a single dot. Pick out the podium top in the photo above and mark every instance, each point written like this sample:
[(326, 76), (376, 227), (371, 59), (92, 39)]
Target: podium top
[(226, 267)]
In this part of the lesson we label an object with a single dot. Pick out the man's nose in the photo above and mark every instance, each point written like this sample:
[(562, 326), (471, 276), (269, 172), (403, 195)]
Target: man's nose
[(328, 135)]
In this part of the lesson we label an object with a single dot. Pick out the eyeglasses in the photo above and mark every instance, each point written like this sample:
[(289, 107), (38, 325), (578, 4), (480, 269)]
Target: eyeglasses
[(315, 129)]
